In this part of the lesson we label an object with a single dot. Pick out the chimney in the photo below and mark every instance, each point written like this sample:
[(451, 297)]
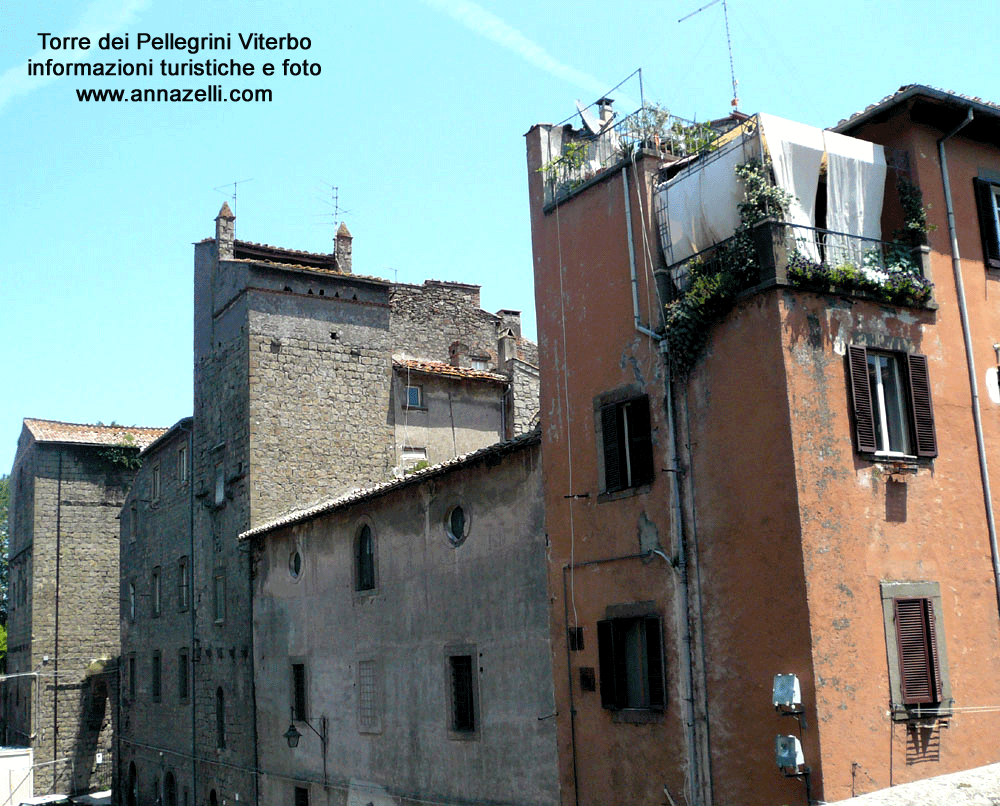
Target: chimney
[(225, 232), (506, 349), (607, 113), (343, 248)]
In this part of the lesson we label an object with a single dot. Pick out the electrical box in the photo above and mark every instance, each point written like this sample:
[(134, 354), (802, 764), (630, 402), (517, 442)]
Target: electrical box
[(788, 752), (787, 691)]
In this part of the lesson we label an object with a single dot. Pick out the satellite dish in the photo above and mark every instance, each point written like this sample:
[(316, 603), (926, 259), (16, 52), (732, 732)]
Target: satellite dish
[(592, 124)]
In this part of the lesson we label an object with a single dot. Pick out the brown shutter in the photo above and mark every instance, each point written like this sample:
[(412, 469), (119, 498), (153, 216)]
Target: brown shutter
[(920, 402), (861, 398), (987, 223), (612, 462), (606, 660), (654, 661), (918, 665)]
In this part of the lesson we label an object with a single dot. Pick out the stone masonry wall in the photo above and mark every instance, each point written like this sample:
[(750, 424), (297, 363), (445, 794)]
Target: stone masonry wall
[(427, 319)]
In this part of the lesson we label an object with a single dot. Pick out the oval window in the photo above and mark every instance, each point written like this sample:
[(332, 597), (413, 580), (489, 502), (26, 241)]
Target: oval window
[(295, 564), (456, 525)]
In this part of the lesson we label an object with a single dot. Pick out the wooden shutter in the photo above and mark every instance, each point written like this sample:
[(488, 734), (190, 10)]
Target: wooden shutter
[(640, 441), (921, 408), (987, 223), (608, 667), (654, 661), (861, 399), (919, 670), (612, 459)]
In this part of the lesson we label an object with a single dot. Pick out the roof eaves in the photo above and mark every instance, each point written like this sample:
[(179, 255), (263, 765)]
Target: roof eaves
[(908, 91)]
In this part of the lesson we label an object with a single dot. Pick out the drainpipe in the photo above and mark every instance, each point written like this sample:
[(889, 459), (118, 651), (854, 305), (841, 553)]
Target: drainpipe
[(956, 264), (631, 261)]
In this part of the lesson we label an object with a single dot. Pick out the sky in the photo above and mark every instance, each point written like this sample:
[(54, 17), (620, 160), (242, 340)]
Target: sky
[(415, 116)]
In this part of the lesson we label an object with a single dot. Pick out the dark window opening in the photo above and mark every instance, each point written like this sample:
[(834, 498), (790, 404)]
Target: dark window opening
[(220, 719), (463, 707), (183, 680), (988, 205), (630, 651), (154, 678), (628, 448), (299, 691), (365, 560), (301, 796)]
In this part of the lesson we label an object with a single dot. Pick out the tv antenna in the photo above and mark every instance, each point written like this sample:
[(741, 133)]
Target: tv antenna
[(729, 43), (334, 202), (234, 184)]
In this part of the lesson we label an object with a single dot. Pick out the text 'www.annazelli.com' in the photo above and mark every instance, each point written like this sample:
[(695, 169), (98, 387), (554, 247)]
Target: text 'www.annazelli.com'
[(213, 93)]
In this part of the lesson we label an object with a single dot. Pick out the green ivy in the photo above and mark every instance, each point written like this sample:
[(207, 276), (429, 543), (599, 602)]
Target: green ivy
[(124, 454)]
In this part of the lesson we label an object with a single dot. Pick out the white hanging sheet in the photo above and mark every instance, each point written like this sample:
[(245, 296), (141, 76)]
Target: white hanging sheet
[(796, 155), (855, 192)]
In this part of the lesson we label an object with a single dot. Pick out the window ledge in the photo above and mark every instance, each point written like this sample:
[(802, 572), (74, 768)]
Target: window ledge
[(921, 716), (628, 492), (414, 408), (636, 716)]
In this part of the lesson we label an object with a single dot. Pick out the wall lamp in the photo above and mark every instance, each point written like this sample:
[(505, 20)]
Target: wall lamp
[(292, 736)]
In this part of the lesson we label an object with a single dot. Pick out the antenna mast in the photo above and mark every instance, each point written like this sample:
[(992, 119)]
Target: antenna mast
[(729, 44), (234, 184)]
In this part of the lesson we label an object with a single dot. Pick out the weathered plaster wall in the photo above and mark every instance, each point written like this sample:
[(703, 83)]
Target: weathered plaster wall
[(488, 593)]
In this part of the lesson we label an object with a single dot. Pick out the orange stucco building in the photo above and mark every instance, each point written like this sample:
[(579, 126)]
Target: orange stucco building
[(806, 493)]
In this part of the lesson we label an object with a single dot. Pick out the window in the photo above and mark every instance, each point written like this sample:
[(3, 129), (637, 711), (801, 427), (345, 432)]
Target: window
[(917, 657), (182, 464), (183, 675), (219, 596), (456, 525), (481, 364), (411, 456), (414, 397), (220, 719), (630, 652), (131, 601), (183, 584), (364, 554), (369, 717), (627, 443), (155, 483), (154, 591), (220, 485), (131, 676), (299, 692), (988, 204), (133, 523), (891, 395), (462, 684), (301, 796), (154, 676)]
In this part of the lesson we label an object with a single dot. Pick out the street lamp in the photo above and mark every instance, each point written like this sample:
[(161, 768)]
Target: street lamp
[(292, 736)]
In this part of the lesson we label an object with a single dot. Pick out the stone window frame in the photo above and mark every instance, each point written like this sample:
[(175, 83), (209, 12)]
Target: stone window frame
[(183, 675), (131, 601), (890, 591), (133, 523), (182, 464), (607, 406), (219, 595), (132, 672), (183, 584), (155, 483), (156, 676), (421, 403), (155, 592), (298, 689)]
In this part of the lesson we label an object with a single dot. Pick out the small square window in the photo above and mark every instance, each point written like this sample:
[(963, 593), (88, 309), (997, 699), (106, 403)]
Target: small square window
[(182, 464), (415, 397), (155, 482), (481, 364)]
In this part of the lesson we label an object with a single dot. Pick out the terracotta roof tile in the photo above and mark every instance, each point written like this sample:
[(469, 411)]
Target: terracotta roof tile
[(88, 434), (440, 368), (914, 89), (308, 513)]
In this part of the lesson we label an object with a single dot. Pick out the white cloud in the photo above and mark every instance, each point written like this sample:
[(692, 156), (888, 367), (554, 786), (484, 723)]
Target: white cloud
[(488, 25), (100, 17)]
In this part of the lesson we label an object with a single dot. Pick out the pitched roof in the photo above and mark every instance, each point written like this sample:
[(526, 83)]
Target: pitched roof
[(366, 493), (912, 91), (88, 434), (440, 368)]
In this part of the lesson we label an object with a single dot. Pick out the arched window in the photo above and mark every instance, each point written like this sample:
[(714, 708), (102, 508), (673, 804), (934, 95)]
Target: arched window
[(220, 719), (213, 799), (132, 790), (364, 553), (169, 790)]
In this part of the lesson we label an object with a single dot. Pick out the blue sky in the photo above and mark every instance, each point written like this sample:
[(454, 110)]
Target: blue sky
[(417, 117)]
